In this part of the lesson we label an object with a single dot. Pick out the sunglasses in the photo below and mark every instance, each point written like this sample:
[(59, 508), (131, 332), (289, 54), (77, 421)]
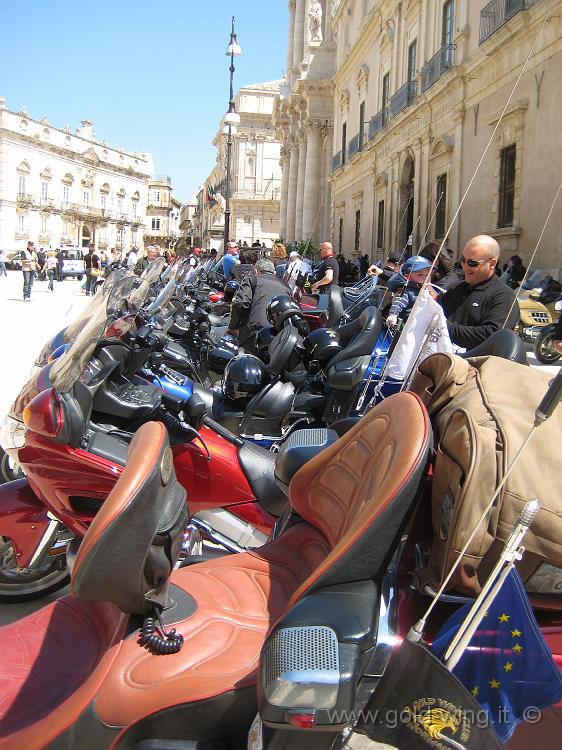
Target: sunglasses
[(474, 263)]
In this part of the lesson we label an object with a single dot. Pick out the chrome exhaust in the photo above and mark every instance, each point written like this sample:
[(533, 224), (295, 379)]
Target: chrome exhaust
[(215, 536)]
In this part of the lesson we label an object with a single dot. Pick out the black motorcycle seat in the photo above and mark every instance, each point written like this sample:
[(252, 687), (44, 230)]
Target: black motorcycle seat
[(335, 306), (504, 343), (258, 465), (346, 374)]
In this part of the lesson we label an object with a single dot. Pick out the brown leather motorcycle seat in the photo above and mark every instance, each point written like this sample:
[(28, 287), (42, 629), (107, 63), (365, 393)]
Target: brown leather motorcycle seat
[(354, 498)]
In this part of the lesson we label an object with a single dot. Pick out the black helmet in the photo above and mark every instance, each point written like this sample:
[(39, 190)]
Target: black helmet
[(320, 346), (244, 376), (230, 289), (280, 309)]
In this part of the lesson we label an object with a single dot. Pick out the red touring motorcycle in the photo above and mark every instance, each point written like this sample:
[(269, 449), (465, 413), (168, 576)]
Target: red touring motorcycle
[(144, 656)]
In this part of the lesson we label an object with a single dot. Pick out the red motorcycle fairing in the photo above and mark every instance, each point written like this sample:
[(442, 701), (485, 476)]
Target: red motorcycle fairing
[(23, 519)]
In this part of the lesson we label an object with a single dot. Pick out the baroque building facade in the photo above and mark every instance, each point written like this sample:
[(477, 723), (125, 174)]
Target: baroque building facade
[(303, 119), (417, 90), (255, 182), (162, 214), (61, 189)]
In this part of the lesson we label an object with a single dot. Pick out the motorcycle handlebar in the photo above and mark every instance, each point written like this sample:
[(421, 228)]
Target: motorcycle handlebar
[(222, 431)]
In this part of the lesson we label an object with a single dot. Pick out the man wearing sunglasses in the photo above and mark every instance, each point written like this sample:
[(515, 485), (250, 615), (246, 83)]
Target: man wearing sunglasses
[(480, 304)]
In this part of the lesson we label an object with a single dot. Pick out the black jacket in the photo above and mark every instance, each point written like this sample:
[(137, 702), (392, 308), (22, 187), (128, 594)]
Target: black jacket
[(474, 313), (250, 303)]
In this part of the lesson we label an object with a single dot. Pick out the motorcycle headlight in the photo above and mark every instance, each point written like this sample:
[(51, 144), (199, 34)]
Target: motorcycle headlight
[(12, 434), (558, 305)]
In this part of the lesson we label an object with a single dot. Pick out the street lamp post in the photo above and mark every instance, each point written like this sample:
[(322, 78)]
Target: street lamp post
[(231, 119)]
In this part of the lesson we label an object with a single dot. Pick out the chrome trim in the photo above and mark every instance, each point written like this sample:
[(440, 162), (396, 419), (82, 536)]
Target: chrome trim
[(47, 540), (215, 536)]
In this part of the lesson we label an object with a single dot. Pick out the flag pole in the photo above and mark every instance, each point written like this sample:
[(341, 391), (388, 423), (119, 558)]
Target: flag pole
[(510, 553)]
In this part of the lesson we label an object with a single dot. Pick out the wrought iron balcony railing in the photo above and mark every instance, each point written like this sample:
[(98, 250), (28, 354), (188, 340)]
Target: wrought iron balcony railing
[(497, 13), (24, 199), (375, 124), (432, 71), (354, 145), (337, 161), (402, 97)]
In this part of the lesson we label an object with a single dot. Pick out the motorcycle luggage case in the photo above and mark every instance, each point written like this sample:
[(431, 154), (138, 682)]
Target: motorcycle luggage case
[(347, 373), (299, 448)]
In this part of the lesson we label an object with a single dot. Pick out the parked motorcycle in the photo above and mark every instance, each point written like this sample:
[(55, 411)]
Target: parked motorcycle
[(537, 308), (543, 348)]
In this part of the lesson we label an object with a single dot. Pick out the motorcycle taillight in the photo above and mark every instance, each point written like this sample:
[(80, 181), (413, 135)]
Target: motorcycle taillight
[(43, 414)]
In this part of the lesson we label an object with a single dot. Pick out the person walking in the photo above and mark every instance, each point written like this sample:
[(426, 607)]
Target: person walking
[(28, 267), (51, 266), (60, 259), (92, 266), (328, 271), (3, 271)]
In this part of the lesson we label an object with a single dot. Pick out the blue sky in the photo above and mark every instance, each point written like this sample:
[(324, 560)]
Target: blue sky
[(151, 76)]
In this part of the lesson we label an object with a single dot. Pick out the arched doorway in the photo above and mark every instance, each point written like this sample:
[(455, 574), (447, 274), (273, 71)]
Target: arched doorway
[(406, 205), (86, 236)]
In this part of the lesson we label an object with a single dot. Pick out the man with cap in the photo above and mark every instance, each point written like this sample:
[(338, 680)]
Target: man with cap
[(195, 257), (295, 267), (249, 307), (414, 271)]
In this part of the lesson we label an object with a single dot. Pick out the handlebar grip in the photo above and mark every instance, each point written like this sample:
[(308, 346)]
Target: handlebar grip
[(550, 400), (222, 431)]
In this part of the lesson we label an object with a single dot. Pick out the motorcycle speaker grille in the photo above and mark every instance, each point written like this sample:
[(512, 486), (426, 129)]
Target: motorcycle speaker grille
[(309, 437), (308, 649)]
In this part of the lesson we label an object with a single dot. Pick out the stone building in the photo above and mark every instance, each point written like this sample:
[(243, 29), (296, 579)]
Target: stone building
[(255, 174), (61, 189), (303, 121), (417, 90), (162, 214)]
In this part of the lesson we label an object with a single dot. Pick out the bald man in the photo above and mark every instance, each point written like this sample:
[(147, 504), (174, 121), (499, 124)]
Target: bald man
[(328, 271), (480, 304)]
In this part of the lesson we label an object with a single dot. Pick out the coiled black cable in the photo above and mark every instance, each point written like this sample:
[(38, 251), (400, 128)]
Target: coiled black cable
[(167, 643)]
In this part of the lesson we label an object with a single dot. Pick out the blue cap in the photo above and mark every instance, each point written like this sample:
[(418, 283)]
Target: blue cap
[(415, 263)]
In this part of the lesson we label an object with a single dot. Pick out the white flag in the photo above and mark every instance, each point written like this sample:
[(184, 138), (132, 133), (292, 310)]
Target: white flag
[(425, 333)]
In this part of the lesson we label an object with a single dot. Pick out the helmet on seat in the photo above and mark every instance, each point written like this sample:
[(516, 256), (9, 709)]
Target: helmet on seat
[(244, 376), (280, 309), (320, 346), (230, 289), (264, 337)]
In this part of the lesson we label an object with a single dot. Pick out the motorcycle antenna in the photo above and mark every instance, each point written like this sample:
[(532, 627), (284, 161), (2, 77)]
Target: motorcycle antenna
[(527, 270), (543, 412)]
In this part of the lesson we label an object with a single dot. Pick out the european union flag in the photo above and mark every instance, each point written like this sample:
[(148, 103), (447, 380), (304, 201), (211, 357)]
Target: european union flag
[(507, 666)]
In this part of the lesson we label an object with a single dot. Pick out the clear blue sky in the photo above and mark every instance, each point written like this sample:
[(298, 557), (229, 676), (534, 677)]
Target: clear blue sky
[(152, 76)]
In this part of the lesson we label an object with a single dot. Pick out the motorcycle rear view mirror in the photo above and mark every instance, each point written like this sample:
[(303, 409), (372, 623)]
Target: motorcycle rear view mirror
[(195, 409)]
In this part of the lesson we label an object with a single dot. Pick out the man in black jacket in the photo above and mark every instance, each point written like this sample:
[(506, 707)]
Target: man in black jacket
[(482, 303), (249, 306)]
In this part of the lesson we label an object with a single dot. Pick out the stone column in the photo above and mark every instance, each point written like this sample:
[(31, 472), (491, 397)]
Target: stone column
[(455, 180), (292, 190), (418, 208), (291, 45), (300, 187), (325, 231), (312, 185), (298, 35), (285, 167)]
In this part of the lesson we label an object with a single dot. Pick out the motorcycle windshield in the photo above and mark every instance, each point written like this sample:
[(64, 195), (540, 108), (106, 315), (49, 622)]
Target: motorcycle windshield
[(154, 271), (67, 335), (125, 299)]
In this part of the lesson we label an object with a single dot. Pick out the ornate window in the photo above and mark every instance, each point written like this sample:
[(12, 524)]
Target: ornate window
[(441, 204), (380, 224), (507, 186), (357, 240)]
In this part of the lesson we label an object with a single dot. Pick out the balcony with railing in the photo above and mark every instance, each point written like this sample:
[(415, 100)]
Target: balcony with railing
[(337, 161), (497, 13), (24, 200), (375, 124), (47, 205), (442, 61), (355, 145), (405, 94)]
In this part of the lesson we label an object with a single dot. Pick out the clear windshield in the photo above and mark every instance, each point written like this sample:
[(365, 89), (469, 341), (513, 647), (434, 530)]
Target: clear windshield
[(154, 270), (126, 298)]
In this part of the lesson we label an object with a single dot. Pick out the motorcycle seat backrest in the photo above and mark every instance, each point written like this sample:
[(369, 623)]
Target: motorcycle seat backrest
[(281, 349), (359, 337), (503, 343), (132, 544), (335, 306)]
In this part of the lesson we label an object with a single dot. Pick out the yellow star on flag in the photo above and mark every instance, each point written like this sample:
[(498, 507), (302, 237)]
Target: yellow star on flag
[(495, 684), (517, 648), (515, 633), (508, 666), (504, 618), (474, 691)]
